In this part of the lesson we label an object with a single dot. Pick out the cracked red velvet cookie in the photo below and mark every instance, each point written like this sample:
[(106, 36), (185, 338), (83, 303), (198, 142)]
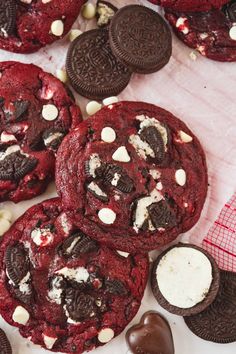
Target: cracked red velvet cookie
[(61, 288), (27, 25), (36, 112), (190, 5), (212, 33), (137, 175)]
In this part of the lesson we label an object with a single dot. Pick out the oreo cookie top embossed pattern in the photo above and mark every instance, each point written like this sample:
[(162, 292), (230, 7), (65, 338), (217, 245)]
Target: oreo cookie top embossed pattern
[(64, 291), (26, 26), (5, 345), (137, 176), (140, 39), (190, 5), (36, 112), (93, 70), (212, 33)]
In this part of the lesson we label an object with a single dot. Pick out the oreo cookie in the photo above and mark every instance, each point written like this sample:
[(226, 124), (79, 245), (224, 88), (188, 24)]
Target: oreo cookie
[(17, 263), (7, 17), (218, 322), (140, 39), (92, 68), (5, 345)]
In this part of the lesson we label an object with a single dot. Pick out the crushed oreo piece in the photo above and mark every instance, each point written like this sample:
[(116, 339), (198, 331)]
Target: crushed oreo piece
[(79, 305), (17, 263), (115, 287), (104, 13), (7, 17), (230, 10), (5, 346), (161, 215), (116, 177), (153, 137), (15, 166), (53, 138), (97, 192), (21, 107), (77, 244), (23, 297)]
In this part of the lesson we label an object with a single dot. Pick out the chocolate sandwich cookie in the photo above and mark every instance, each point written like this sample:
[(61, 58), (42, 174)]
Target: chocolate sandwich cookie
[(93, 70), (140, 39), (137, 175), (61, 288), (218, 322), (5, 345), (212, 33), (190, 5), (185, 279), (36, 112), (28, 25), (152, 335)]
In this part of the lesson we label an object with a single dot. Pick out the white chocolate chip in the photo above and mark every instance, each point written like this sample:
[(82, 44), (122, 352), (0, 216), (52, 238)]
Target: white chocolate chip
[(62, 75), (5, 221), (93, 107), (232, 33), (110, 100), (46, 1), (159, 186), (185, 137), (49, 341), (181, 25), (74, 33), (107, 216), (105, 335), (123, 254), (20, 315), (26, 1), (57, 28), (121, 154), (5, 137), (108, 135), (180, 177), (50, 112), (88, 11)]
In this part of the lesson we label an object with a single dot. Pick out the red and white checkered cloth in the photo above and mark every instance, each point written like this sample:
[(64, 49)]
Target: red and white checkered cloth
[(220, 241)]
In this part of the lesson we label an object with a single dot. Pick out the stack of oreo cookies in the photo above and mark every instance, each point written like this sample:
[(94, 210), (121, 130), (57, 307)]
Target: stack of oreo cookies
[(207, 26), (100, 62)]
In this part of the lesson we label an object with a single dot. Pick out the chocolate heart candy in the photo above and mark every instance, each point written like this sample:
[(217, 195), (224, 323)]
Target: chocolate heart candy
[(151, 336)]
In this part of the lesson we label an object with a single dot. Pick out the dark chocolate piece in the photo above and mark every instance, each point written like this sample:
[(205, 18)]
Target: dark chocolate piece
[(93, 70), (152, 335), (140, 39), (218, 322), (7, 17), (17, 263), (5, 346)]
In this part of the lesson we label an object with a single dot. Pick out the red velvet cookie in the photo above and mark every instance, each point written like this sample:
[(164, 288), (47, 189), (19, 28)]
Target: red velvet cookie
[(36, 112), (212, 33), (136, 174), (61, 288), (27, 25), (190, 5)]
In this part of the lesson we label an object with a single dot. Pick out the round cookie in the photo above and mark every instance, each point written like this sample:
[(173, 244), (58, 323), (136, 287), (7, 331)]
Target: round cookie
[(140, 39), (136, 173), (4, 343), (190, 5), (36, 112), (61, 288), (93, 69), (212, 33), (218, 322), (28, 25)]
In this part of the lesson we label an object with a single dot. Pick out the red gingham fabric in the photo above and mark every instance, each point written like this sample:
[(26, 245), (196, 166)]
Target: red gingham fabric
[(220, 241)]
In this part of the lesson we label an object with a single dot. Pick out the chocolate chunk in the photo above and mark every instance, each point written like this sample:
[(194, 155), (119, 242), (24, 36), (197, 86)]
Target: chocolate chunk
[(93, 69), (105, 12), (7, 17), (115, 287), (77, 244), (217, 323), (15, 166), (140, 39), (79, 306), (5, 346), (153, 137), (116, 177), (230, 10), (152, 335), (161, 215), (17, 263), (21, 108)]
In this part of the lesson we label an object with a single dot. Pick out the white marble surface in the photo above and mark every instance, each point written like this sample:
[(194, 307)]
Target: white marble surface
[(202, 93)]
